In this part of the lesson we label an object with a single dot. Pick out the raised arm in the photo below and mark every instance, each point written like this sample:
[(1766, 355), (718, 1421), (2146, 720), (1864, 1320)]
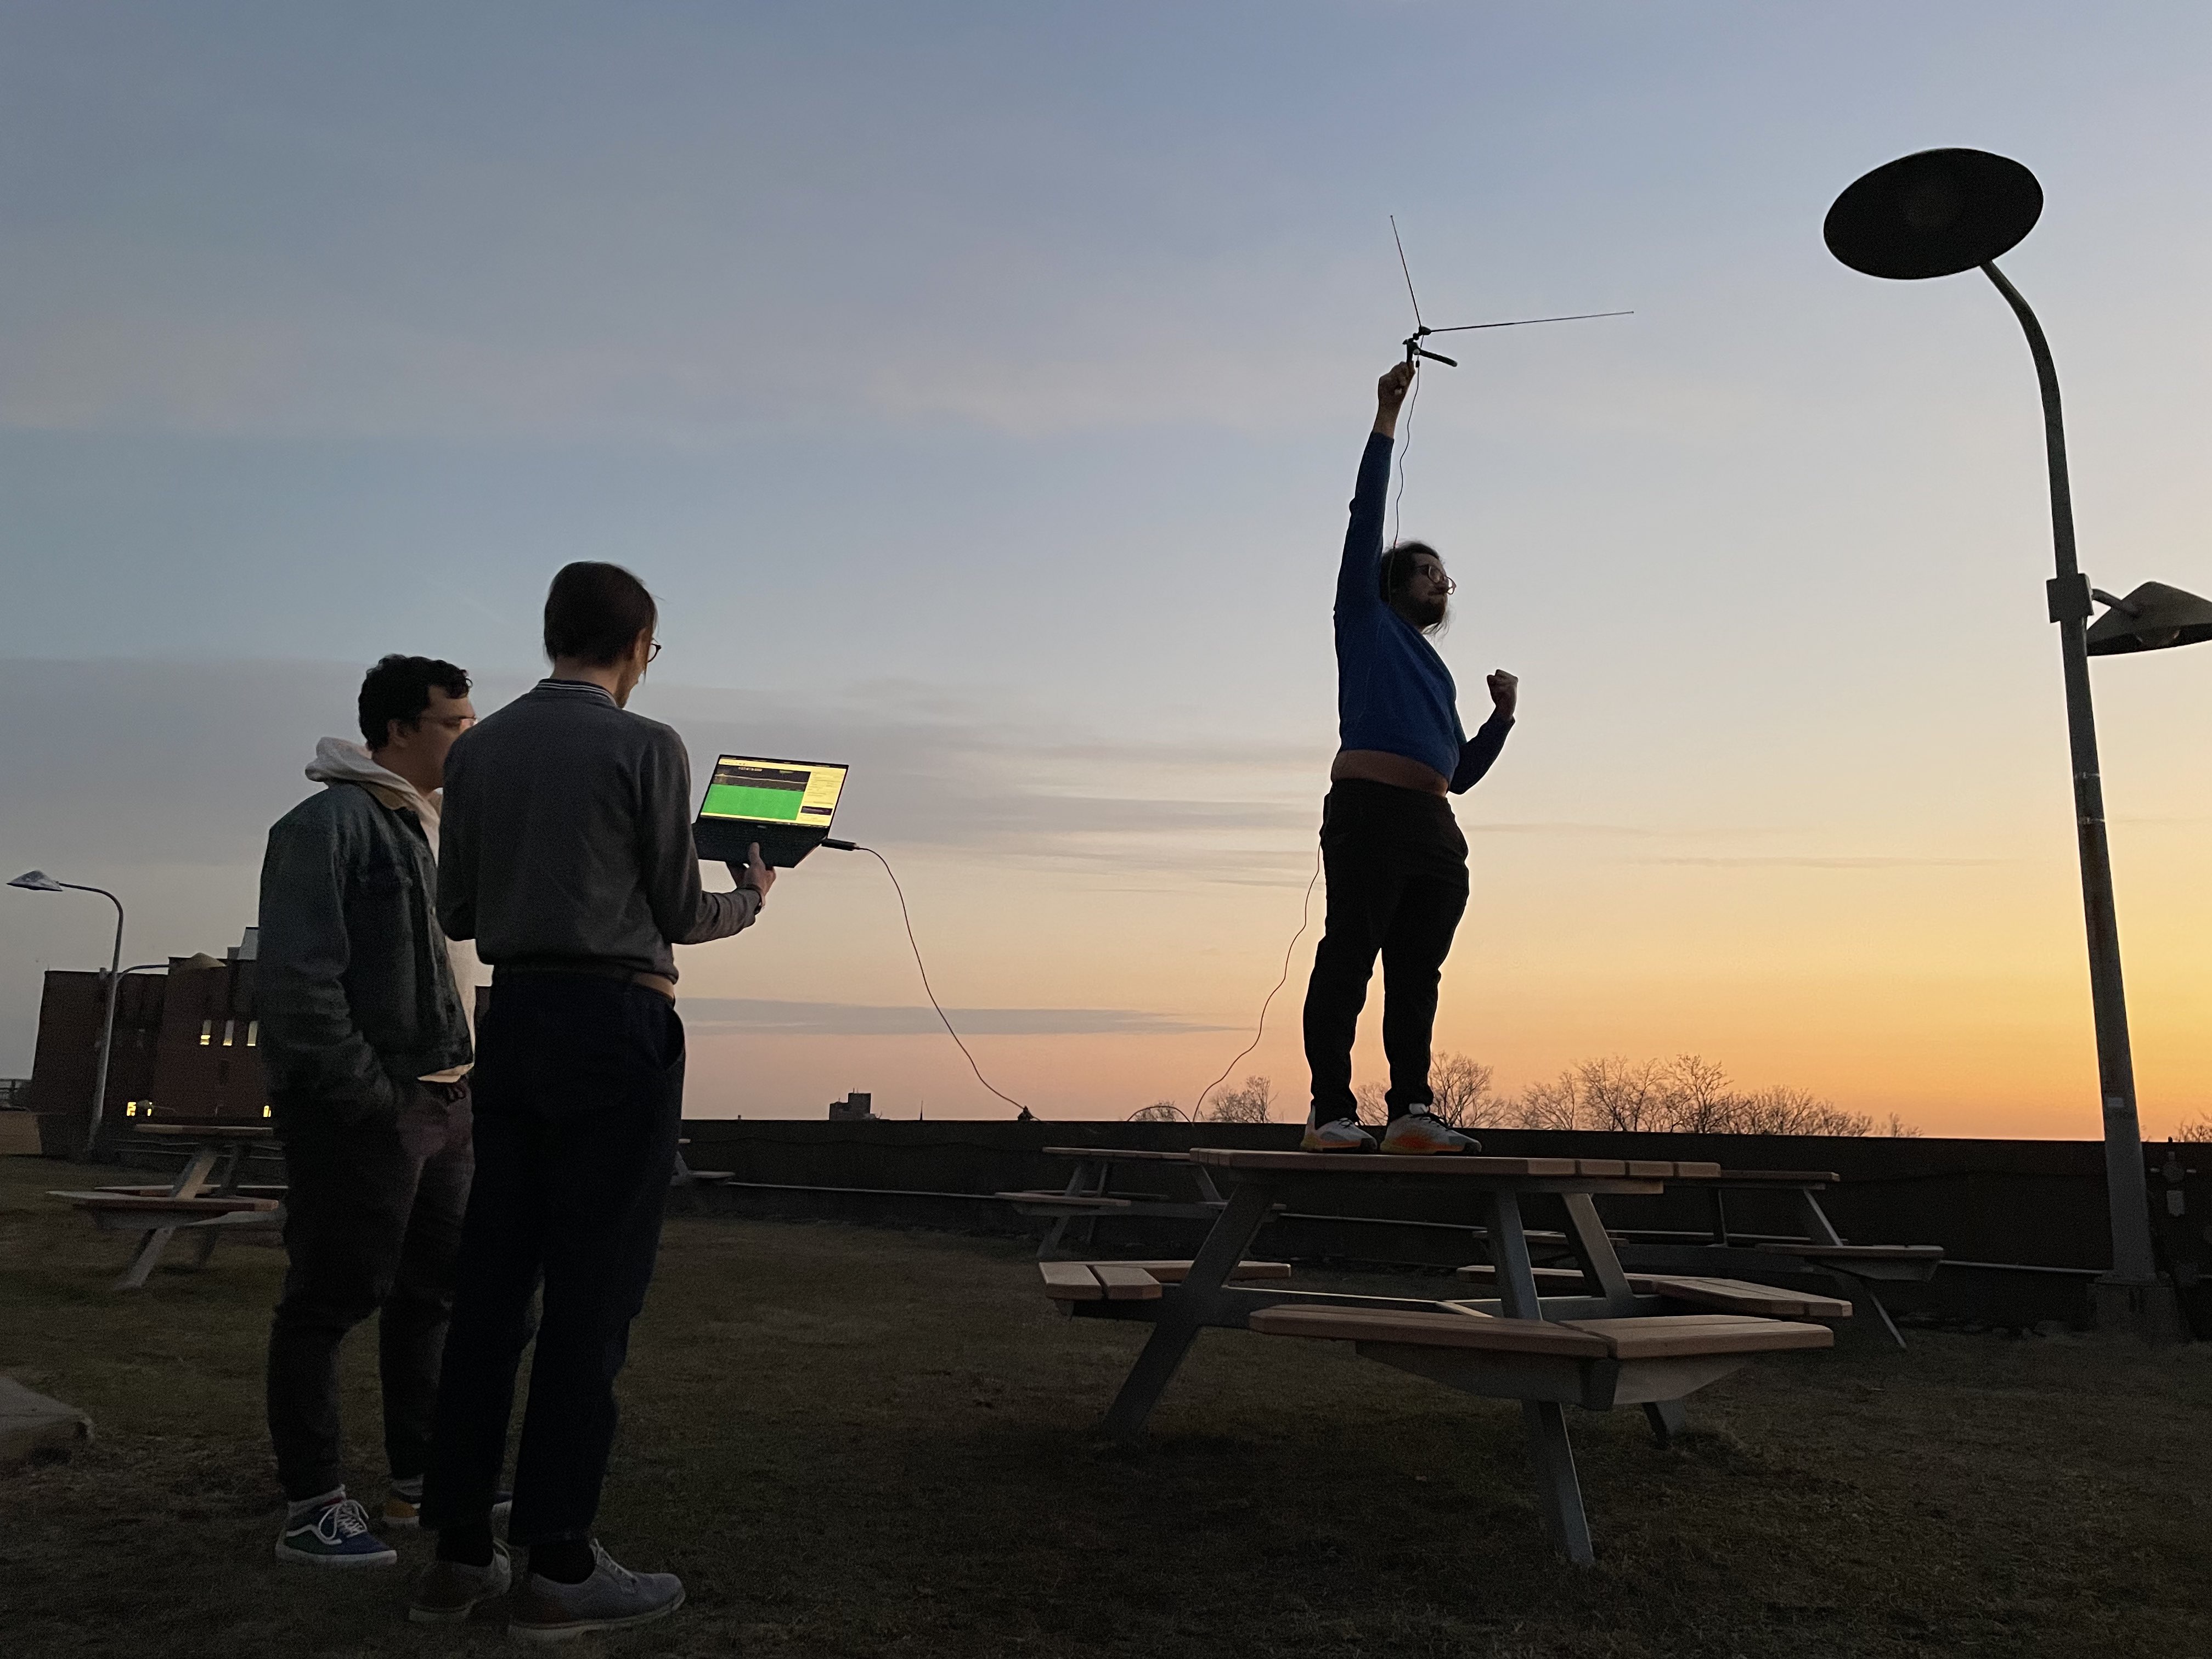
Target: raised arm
[(1479, 751), (1356, 582)]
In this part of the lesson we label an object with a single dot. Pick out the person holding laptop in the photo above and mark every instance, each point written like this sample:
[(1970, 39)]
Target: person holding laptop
[(1396, 859), (568, 859)]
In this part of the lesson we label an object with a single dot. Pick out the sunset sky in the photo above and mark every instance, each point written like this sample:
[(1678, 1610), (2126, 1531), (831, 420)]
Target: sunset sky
[(980, 387)]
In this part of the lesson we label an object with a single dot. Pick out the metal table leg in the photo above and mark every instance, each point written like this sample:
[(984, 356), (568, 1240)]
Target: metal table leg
[(1559, 1494), (1821, 1230), (1050, 1250), (1185, 1308), (155, 1241)]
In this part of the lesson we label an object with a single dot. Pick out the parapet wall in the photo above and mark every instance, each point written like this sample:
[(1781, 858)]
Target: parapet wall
[(2032, 1202)]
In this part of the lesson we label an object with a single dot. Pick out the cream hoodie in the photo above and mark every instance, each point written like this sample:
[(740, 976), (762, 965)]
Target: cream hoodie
[(340, 760)]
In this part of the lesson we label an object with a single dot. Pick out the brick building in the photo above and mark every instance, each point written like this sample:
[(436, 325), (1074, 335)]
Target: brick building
[(186, 1046)]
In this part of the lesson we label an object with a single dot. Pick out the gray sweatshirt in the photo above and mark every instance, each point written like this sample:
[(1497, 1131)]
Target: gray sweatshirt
[(566, 842)]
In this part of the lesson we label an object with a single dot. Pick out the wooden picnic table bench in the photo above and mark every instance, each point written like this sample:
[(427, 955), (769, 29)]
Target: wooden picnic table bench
[(1086, 1197), (1605, 1341), (1821, 1248), (200, 1201)]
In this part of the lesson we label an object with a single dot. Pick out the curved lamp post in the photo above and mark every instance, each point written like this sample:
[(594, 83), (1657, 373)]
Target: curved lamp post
[(38, 881), (1937, 214)]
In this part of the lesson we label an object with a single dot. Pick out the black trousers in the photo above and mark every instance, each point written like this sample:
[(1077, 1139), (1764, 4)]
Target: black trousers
[(372, 1225), (579, 1092), (1396, 865)]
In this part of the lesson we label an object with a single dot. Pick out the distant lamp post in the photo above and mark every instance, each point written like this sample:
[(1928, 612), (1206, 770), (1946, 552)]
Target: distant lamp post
[(1937, 214), (38, 881)]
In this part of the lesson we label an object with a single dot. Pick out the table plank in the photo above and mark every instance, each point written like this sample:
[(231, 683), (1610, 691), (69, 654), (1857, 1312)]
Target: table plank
[(1449, 1163), (1435, 1330), (1116, 1154)]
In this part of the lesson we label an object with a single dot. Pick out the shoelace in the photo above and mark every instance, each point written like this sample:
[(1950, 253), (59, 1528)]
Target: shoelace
[(623, 1575), (345, 1519)]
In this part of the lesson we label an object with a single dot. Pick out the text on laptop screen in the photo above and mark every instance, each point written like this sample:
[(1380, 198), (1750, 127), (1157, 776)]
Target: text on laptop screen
[(802, 793)]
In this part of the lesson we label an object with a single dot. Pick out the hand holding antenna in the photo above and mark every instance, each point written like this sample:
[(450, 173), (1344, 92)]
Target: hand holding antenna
[(1390, 395)]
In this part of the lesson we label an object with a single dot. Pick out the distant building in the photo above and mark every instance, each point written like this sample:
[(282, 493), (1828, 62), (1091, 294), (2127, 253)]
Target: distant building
[(854, 1109), (186, 1047)]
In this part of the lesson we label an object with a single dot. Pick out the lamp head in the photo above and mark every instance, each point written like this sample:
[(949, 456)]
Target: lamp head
[(1934, 214), (2155, 618), (38, 881)]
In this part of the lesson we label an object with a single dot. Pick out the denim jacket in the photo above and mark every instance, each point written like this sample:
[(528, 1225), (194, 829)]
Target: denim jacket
[(355, 994)]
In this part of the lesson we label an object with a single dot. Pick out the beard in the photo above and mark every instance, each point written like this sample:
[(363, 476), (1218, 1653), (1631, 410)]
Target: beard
[(1424, 614)]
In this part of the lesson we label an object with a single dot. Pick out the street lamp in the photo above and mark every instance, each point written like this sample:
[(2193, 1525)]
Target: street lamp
[(38, 881), (1937, 214)]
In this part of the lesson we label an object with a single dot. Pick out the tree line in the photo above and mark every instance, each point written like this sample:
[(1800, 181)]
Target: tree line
[(1688, 1095)]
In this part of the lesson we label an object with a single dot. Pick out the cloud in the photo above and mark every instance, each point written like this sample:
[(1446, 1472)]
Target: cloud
[(713, 1016), (189, 763), (1787, 861)]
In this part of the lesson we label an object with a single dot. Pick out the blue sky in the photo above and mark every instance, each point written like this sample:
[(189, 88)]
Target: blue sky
[(980, 386)]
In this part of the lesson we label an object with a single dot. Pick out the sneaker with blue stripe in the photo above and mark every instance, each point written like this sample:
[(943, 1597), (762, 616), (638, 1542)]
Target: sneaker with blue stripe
[(333, 1532)]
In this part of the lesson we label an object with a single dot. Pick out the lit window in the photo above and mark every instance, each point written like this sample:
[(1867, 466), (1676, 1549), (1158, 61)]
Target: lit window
[(207, 1032), (264, 1111), (253, 1033), (130, 1109), (228, 1027)]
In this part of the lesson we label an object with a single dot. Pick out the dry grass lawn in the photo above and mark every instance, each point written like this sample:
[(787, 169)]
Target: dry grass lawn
[(879, 1443)]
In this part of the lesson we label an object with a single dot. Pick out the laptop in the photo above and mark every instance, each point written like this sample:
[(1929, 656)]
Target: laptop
[(786, 805)]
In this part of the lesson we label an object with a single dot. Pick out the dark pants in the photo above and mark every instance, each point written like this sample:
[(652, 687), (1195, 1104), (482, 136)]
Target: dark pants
[(580, 1088), (372, 1223), (1397, 883)]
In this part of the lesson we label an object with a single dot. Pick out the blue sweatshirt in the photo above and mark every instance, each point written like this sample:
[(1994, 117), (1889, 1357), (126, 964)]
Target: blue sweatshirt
[(1393, 690)]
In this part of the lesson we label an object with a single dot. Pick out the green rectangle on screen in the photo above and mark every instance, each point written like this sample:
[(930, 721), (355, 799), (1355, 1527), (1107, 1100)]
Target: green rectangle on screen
[(731, 800)]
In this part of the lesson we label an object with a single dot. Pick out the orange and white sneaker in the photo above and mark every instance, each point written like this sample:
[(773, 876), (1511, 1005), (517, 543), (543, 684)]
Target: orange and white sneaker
[(1421, 1131), (1343, 1135)]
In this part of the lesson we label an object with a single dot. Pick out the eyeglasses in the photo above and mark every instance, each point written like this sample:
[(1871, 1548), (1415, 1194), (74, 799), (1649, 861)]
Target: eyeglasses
[(653, 651), (1437, 579), (451, 722)]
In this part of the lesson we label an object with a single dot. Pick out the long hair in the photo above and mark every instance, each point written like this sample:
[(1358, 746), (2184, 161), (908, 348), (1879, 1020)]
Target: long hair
[(1395, 574)]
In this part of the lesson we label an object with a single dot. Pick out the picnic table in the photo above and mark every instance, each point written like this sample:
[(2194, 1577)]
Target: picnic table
[(1086, 1198), (1728, 1251), (1601, 1343), (200, 1201)]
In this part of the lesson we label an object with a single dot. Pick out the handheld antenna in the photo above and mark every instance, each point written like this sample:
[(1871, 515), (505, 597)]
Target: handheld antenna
[(1422, 331)]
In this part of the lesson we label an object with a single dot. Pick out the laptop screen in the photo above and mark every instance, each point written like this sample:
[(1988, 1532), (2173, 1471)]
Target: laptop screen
[(748, 789)]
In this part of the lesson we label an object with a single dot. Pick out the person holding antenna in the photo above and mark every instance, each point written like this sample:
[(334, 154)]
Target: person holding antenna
[(1396, 860), (567, 856)]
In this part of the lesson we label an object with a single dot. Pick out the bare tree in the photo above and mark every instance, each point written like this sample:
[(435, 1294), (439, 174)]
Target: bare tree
[(1554, 1105), (2196, 1129), (1688, 1094), (1461, 1092), (1903, 1130), (1782, 1110), (1160, 1111), (1249, 1104), (1616, 1095)]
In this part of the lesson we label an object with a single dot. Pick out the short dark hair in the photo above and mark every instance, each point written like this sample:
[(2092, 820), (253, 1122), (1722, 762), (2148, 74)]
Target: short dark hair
[(398, 688), (595, 611)]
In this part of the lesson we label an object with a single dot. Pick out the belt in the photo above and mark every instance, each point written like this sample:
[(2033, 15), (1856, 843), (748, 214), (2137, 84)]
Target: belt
[(659, 984)]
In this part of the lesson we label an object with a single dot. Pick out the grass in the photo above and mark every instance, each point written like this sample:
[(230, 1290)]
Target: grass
[(867, 1442)]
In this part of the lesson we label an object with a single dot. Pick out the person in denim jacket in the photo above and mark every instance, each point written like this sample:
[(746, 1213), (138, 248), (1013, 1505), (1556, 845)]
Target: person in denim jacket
[(365, 1041)]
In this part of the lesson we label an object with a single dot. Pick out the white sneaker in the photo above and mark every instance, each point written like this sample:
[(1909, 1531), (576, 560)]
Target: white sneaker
[(1343, 1135), (612, 1598), (1421, 1131)]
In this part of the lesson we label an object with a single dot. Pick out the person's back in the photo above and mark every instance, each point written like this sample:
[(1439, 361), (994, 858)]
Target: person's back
[(568, 859), (568, 841)]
